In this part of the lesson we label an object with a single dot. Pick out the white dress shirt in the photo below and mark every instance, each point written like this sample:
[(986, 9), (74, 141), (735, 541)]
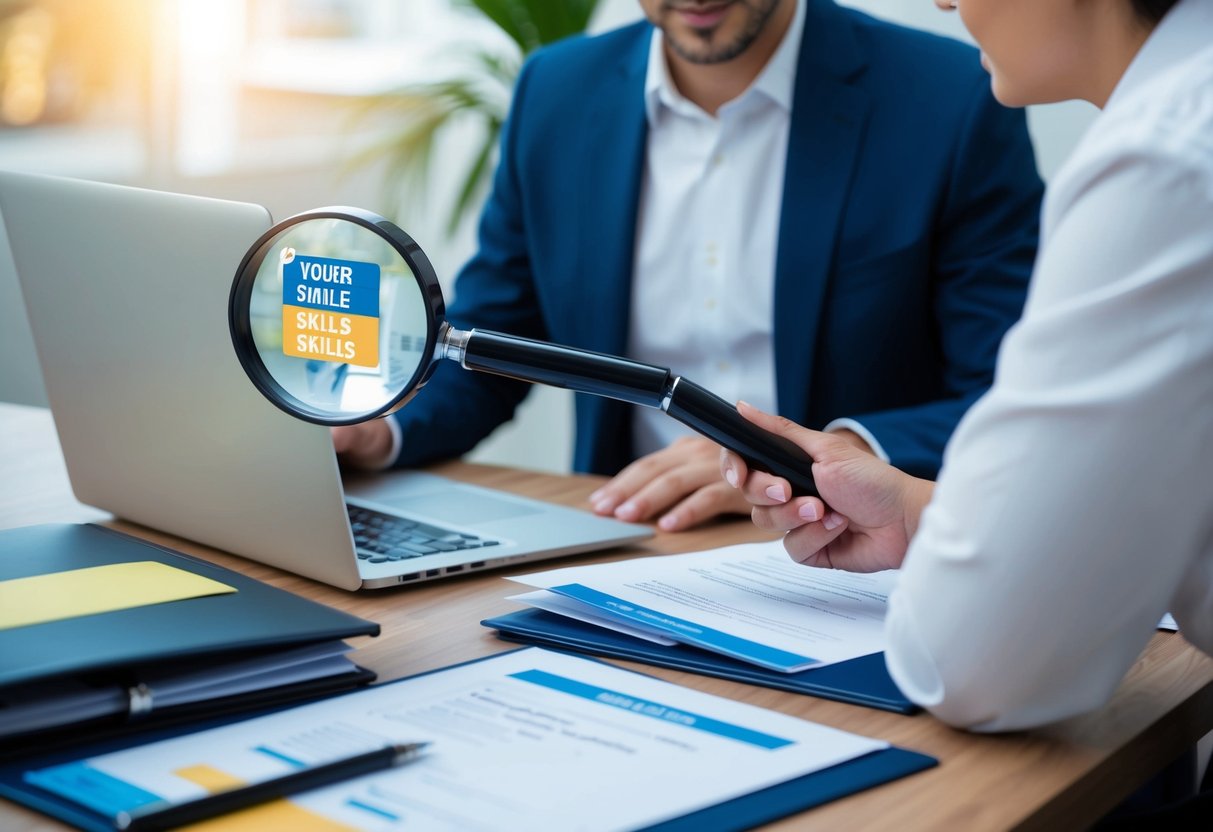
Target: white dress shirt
[(707, 229), (1075, 505)]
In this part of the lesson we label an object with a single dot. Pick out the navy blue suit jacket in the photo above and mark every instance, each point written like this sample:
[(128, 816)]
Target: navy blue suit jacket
[(907, 234)]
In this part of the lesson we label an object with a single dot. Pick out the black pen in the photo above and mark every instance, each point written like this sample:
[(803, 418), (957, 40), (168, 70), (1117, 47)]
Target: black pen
[(158, 816)]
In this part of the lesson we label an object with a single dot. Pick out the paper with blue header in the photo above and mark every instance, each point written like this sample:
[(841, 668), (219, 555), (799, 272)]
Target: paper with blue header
[(749, 602), (525, 740)]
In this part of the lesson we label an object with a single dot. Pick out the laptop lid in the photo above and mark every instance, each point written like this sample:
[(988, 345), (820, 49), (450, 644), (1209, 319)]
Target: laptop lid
[(126, 292)]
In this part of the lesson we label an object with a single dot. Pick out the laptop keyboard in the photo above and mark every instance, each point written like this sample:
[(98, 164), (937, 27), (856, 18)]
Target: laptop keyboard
[(380, 537)]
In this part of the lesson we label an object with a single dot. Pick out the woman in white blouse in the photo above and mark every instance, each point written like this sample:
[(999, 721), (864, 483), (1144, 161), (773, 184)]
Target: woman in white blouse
[(1075, 505)]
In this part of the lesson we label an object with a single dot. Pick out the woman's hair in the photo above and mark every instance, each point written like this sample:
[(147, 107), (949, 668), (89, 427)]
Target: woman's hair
[(1152, 11)]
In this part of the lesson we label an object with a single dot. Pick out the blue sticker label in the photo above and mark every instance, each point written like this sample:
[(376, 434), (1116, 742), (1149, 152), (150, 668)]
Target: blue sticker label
[(330, 285), (83, 784)]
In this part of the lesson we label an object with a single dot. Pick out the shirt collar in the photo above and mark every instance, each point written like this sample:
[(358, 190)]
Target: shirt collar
[(1186, 30), (777, 81)]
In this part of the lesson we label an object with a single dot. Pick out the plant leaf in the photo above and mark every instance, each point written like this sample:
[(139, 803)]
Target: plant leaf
[(477, 177), (427, 110)]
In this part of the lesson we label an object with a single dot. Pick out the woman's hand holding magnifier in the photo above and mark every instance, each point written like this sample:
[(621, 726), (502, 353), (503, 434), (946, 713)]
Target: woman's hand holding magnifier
[(867, 514)]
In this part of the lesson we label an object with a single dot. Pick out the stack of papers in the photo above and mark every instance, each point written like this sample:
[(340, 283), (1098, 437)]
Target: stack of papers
[(44, 705), (749, 602)]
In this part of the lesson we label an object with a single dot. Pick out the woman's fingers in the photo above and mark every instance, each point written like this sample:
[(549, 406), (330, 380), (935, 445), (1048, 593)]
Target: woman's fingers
[(811, 544), (759, 487), (793, 514)]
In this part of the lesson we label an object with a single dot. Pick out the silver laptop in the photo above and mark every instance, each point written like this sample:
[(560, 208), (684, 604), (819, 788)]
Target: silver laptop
[(126, 292)]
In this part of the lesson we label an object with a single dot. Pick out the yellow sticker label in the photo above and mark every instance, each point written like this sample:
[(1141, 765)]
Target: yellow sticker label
[(209, 778), (330, 336), (97, 589), (280, 814)]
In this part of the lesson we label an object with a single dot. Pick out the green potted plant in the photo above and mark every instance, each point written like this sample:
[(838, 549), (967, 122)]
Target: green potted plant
[(481, 94)]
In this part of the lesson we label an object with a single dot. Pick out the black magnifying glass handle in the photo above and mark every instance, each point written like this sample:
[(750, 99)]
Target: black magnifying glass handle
[(557, 366), (712, 416), (632, 381)]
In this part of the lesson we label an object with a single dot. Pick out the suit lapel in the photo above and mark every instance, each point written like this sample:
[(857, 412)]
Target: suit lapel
[(615, 131), (827, 125)]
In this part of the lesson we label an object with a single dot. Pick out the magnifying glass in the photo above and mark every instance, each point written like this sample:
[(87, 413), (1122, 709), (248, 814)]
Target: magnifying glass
[(337, 317)]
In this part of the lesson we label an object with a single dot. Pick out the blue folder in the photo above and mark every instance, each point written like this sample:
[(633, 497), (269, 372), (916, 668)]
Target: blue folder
[(754, 809), (113, 649), (862, 681)]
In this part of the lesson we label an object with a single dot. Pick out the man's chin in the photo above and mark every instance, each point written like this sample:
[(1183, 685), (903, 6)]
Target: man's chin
[(702, 47)]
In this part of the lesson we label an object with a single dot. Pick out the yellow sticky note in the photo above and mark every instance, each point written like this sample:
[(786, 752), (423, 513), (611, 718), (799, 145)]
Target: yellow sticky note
[(209, 778), (330, 336), (115, 586), (278, 814)]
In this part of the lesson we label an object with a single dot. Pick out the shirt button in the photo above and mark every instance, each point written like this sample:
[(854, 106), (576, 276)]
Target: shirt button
[(712, 261), (723, 366), (710, 303), (717, 160)]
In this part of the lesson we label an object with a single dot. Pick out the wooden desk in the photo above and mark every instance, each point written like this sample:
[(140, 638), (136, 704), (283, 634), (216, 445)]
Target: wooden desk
[(1064, 777)]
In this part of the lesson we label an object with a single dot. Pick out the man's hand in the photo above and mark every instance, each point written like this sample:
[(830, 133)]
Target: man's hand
[(680, 483), (364, 445), (870, 510)]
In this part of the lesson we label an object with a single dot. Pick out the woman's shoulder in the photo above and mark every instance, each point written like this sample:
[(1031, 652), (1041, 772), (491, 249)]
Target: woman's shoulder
[(1169, 119), (1159, 135)]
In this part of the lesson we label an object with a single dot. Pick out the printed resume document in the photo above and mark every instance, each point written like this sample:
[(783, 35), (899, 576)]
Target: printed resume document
[(750, 602), (526, 740)]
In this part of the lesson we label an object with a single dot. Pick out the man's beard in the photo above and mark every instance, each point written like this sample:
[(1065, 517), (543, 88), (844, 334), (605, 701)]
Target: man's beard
[(758, 12)]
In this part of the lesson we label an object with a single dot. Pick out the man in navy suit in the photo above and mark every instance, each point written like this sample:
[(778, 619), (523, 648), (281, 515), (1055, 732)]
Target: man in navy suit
[(785, 201)]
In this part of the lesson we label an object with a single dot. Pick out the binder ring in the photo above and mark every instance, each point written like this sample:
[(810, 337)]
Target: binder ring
[(140, 705)]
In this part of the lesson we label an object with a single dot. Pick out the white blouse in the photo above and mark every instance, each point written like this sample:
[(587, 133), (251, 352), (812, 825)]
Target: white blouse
[(1075, 505)]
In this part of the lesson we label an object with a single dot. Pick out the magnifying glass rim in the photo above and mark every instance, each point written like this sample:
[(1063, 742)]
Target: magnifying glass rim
[(240, 326)]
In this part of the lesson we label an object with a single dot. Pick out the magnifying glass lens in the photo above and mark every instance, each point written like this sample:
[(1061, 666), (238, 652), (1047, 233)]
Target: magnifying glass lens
[(336, 317)]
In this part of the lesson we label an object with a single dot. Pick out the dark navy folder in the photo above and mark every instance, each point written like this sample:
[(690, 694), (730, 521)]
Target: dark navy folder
[(113, 649), (862, 681), (754, 809)]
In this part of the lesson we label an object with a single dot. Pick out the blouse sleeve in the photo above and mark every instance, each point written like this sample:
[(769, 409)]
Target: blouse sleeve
[(1078, 493)]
